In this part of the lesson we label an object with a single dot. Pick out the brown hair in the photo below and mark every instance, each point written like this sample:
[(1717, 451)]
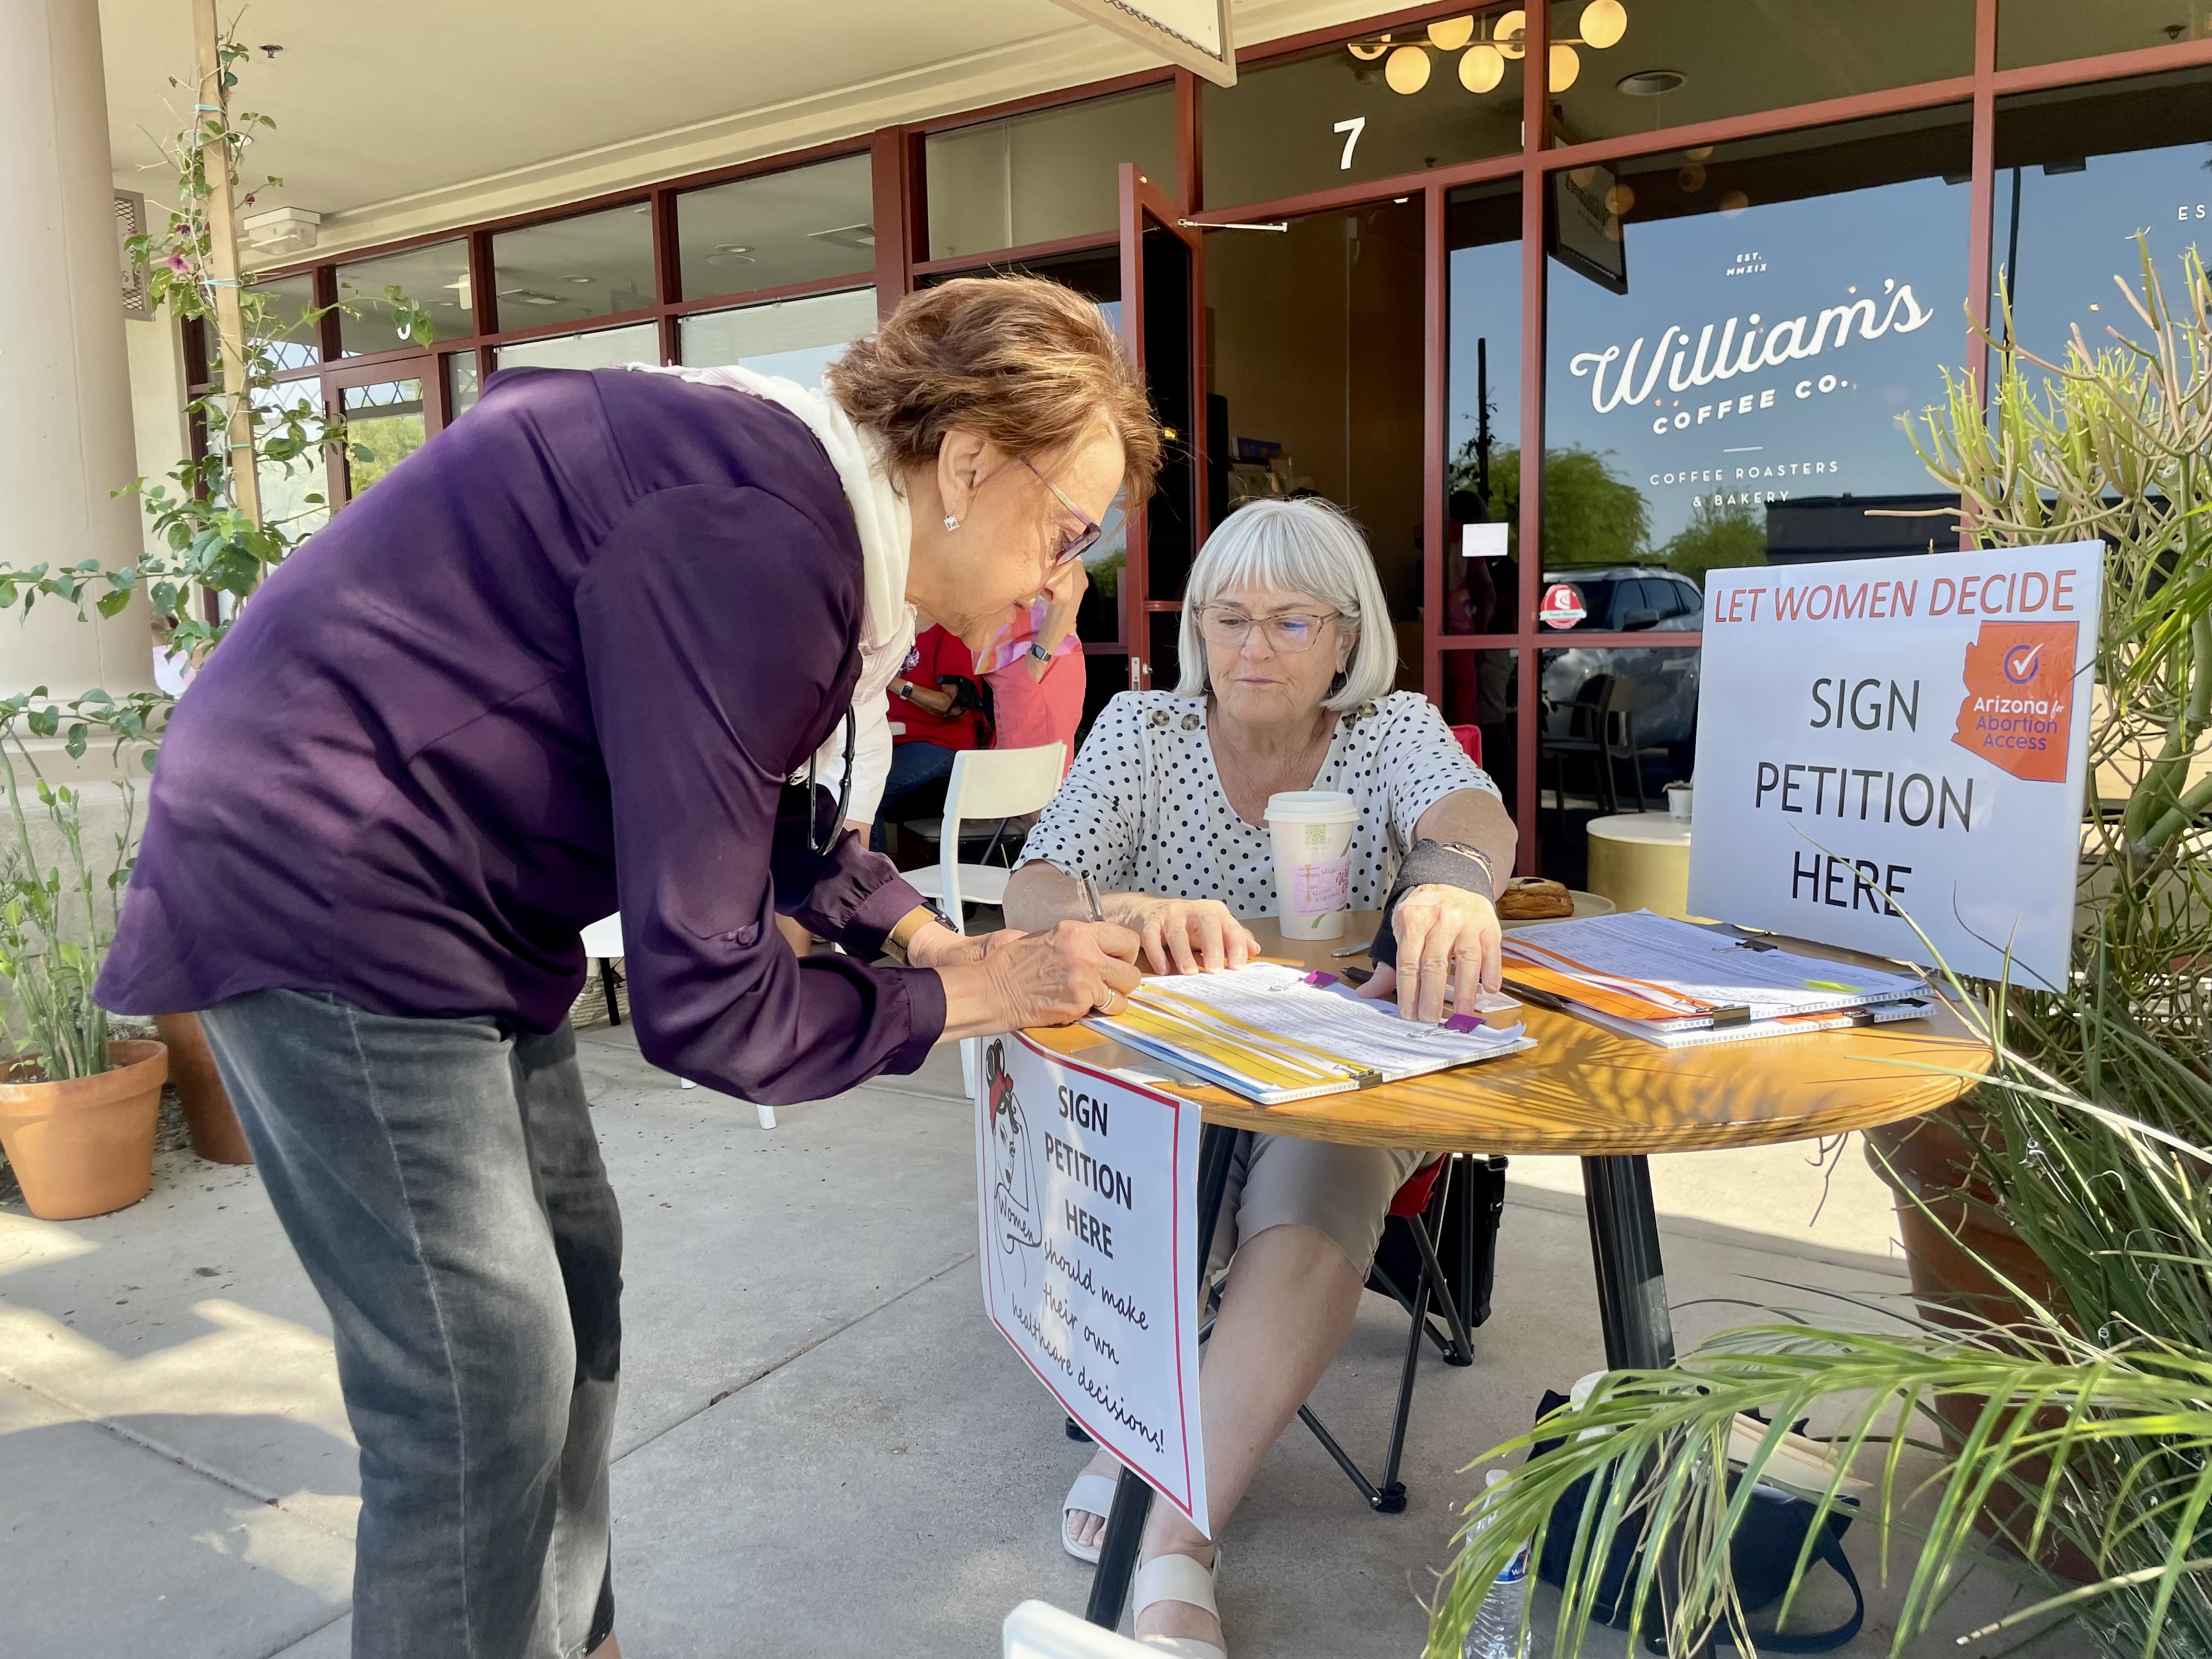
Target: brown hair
[(1029, 364)]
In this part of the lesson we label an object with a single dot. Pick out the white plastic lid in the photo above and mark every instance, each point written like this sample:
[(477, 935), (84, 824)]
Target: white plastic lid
[(1311, 806)]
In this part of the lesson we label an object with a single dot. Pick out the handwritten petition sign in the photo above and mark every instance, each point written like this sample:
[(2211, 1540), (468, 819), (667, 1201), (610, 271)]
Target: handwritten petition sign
[(1892, 736), (1087, 1204)]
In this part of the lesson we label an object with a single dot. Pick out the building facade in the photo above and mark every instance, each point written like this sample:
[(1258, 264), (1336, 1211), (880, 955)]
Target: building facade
[(1706, 257)]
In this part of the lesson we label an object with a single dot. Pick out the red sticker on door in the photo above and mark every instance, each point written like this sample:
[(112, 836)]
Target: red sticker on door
[(1563, 606)]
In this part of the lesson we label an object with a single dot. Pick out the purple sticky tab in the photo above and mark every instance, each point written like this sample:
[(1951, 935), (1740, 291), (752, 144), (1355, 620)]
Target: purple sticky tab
[(1464, 1022), (1320, 976)]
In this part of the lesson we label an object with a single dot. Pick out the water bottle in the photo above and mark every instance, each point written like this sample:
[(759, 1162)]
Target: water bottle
[(1495, 1633)]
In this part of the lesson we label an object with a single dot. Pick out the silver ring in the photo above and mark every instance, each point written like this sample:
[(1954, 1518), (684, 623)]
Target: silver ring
[(1107, 1006)]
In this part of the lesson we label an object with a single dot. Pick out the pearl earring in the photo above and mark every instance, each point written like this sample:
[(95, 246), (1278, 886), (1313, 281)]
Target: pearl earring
[(951, 523)]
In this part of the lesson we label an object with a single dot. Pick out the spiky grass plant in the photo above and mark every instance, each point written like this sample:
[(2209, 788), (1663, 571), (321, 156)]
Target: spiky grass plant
[(2092, 1416)]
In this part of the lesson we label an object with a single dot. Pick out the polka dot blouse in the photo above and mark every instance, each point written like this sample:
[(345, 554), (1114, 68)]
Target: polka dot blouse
[(1143, 811)]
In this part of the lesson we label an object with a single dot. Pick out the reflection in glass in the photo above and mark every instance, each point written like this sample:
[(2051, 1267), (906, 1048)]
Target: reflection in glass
[(461, 387), (435, 278), (1482, 689), (384, 425), (1733, 335), (2046, 31), (794, 339), (638, 343), (780, 227), (1042, 177), (1371, 108), (1675, 62), (2079, 173), (1614, 726), (1482, 392), (1316, 363), (596, 265), (294, 494), (294, 340)]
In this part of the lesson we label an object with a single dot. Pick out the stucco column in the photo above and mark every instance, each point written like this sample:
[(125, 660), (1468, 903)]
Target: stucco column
[(65, 422)]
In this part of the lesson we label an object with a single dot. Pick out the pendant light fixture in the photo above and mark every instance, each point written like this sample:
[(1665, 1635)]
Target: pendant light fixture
[(1486, 46)]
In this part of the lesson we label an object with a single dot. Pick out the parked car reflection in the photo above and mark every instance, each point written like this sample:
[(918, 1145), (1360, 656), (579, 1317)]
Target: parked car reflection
[(1631, 600)]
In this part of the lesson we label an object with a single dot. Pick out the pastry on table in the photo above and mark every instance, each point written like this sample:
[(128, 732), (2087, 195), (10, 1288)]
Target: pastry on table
[(1531, 898)]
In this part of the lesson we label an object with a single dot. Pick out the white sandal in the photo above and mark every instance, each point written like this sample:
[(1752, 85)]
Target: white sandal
[(1092, 1494), (1179, 1578)]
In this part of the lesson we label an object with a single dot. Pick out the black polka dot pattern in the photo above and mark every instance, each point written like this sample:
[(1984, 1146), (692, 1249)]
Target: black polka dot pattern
[(1143, 810)]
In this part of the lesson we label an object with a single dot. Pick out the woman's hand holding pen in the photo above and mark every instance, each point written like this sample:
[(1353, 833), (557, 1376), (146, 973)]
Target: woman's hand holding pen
[(1067, 973)]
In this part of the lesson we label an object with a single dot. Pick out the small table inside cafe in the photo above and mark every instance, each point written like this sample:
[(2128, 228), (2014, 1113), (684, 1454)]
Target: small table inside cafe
[(1612, 1101)]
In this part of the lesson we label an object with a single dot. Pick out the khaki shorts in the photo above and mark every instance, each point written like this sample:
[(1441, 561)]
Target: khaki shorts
[(1342, 1191)]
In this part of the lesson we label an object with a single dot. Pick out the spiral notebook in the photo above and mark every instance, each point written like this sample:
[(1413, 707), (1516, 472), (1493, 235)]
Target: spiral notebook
[(1275, 1035)]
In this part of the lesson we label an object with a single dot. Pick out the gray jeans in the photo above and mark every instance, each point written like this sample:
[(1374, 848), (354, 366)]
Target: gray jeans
[(441, 1182)]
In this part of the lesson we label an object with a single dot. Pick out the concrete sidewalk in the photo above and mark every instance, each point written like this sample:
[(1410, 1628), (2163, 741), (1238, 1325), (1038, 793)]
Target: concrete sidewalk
[(823, 1448)]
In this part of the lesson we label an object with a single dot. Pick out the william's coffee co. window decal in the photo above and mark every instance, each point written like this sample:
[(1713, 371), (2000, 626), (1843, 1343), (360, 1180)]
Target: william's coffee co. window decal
[(1755, 353)]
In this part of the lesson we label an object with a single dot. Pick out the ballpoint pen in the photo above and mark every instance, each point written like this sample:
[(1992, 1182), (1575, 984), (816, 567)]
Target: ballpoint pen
[(1092, 909)]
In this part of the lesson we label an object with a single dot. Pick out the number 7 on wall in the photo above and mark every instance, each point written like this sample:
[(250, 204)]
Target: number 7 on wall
[(1351, 130)]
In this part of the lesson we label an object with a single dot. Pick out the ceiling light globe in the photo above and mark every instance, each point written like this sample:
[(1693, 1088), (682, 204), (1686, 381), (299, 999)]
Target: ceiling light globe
[(1510, 32), (1481, 68), (1368, 50), (1604, 21), (1450, 33), (1565, 64), (1407, 70)]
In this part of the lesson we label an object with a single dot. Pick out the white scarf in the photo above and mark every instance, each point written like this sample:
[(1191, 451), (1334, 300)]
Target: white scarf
[(886, 527)]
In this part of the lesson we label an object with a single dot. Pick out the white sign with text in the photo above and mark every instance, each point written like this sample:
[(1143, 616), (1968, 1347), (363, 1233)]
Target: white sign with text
[(1887, 738), (1086, 1190)]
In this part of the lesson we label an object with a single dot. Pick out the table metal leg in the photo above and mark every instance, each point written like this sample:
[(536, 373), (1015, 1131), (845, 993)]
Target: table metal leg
[(1632, 1282), (1133, 1497)]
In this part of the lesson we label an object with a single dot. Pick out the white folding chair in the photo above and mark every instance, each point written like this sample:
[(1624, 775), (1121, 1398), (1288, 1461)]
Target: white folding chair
[(1038, 1630), (986, 784), (603, 943)]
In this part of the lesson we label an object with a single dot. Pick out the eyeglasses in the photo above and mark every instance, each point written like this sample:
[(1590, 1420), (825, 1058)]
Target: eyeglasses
[(1290, 632), (1086, 538)]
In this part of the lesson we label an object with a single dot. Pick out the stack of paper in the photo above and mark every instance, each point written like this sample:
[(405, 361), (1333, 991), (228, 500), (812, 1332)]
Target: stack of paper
[(1273, 1034), (1677, 985)]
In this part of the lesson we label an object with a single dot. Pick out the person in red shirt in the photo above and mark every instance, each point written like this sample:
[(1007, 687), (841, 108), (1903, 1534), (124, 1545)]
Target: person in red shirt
[(938, 701), (1034, 666)]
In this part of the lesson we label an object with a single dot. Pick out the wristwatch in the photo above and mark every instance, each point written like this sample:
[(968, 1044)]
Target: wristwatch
[(902, 935), (1039, 652), (903, 689)]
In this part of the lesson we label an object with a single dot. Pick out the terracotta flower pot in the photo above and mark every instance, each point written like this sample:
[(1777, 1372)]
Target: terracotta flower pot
[(85, 1145), (1932, 1159), (215, 1130)]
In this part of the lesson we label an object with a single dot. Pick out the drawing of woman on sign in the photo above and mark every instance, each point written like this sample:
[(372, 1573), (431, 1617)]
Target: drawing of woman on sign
[(1016, 1218)]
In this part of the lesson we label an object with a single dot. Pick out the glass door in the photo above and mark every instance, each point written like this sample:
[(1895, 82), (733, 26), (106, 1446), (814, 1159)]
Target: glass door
[(391, 409), (1162, 288)]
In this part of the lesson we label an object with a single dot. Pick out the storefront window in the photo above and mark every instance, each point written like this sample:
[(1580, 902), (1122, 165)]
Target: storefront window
[(1040, 178), (794, 339), (1734, 335), (596, 265), (1621, 67), (436, 278), (1614, 726), (1482, 410), (461, 382), (2079, 173), (1482, 689), (1375, 107), (604, 348), (778, 228), (1316, 358), (294, 340), (294, 494), (2047, 31), (386, 423)]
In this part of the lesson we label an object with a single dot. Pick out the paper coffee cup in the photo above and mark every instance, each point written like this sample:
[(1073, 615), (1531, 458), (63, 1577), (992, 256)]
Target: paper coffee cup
[(1312, 832)]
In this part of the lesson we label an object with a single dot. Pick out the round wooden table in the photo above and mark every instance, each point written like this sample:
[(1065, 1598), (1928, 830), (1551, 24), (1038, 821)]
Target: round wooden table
[(1612, 1101)]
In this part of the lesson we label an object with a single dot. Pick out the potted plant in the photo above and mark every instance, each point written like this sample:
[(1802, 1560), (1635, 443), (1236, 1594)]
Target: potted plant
[(215, 544), (77, 1108), (2059, 1223)]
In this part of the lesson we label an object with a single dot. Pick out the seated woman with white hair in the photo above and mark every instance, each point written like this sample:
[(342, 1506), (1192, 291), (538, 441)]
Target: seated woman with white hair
[(1288, 658)]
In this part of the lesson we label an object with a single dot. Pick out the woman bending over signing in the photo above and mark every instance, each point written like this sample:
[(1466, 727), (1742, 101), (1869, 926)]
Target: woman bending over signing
[(1288, 660)]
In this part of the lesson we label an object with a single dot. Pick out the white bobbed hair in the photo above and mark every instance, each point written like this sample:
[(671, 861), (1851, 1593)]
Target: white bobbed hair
[(1305, 546)]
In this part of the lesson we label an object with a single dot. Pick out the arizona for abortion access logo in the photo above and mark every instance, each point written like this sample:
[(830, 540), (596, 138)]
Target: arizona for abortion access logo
[(2018, 713)]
